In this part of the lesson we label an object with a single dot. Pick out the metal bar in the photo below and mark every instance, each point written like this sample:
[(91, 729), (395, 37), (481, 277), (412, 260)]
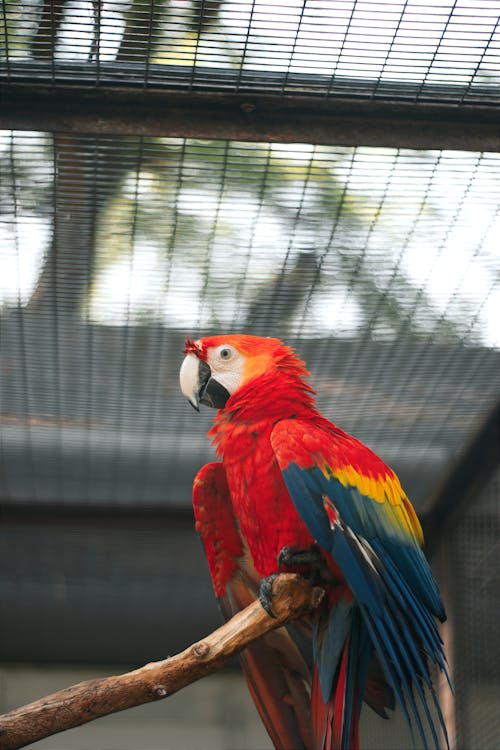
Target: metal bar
[(226, 80), (250, 117), (61, 513), (472, 470)]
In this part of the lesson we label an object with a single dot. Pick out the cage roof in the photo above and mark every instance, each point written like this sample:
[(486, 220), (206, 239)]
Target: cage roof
[(409, 50)]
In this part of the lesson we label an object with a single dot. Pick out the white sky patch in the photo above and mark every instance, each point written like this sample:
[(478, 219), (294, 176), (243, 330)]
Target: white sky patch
[(329, 311), (22, 247), (77, 37), (130, 286)]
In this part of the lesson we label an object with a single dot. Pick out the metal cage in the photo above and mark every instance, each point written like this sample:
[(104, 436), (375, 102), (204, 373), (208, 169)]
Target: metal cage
[(323, 171)]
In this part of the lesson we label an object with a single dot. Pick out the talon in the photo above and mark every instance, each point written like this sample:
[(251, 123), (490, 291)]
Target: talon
[(266, 594), (285, 557), (289, 556), (313, 564)]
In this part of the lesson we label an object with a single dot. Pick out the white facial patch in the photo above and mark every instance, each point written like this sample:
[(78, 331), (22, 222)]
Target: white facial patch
[(228, 372)]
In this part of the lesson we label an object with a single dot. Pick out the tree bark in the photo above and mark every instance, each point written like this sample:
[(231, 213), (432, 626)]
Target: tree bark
[(66, 274), (293, 597)]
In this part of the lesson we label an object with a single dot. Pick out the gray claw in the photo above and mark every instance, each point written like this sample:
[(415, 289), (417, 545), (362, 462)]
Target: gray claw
[(290, 556), (266, 594)]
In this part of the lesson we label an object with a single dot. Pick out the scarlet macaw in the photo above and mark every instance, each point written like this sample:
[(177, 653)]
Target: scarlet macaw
[(294, 492)]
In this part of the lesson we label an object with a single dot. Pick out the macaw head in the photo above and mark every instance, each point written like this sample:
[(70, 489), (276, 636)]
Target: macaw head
[(217, 367)]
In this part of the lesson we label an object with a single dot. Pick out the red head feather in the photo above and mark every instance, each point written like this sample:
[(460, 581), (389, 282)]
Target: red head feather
[(197, 348), (277, 355)]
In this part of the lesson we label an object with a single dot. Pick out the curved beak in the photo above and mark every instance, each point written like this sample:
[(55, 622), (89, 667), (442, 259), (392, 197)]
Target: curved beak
[(198, 385)]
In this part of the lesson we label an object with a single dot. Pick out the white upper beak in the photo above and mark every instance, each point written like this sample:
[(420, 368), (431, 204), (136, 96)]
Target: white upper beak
[(189, 379)]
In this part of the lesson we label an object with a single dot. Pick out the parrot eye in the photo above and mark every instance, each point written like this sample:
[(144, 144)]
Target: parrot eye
[(226, 353)]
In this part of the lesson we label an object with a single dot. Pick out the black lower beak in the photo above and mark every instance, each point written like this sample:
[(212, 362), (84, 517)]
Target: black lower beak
[(211, 392)]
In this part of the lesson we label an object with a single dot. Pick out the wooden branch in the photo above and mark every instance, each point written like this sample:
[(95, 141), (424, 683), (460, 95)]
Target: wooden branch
[(293, 597)]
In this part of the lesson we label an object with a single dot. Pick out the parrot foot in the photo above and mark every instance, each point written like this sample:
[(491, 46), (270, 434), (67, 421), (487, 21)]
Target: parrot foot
[(289, 556), (266, 594), (317, 569)]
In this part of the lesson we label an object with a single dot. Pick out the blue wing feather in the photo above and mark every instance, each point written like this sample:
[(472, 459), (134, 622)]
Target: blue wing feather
[(369, 519), (395, 593)]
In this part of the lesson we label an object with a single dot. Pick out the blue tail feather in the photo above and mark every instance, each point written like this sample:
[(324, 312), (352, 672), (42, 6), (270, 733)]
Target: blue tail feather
[(399, 625), (415, 667), (329, 635), (354, 671)]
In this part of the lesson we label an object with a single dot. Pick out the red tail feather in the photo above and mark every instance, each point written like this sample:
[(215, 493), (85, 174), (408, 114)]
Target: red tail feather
[(339, 701), (319, 714), (328, 719)]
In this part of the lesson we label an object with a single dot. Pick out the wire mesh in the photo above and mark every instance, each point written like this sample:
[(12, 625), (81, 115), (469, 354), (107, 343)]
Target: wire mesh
[(380, 265), (409, 49), (471, 548)]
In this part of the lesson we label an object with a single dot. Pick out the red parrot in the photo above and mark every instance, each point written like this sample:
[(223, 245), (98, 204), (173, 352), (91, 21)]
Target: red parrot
[(293, 492)]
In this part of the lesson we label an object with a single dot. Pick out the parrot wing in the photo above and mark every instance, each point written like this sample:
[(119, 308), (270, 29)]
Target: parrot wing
[(276, 673), (357, 512)]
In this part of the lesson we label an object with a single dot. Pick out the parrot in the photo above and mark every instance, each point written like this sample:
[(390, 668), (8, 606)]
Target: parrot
[(292, 492)]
